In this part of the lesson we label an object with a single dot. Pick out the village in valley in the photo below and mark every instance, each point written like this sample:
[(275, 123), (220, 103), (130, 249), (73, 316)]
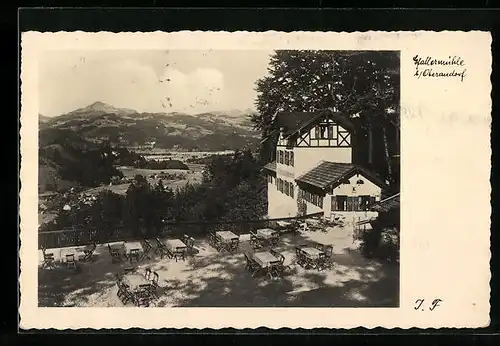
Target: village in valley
[(291, 202)]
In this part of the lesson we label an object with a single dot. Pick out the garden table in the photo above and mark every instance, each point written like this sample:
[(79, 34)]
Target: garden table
[(226, 236), (175, 245), (265, 259), (133, 245), (266, 233), (79, 255), (312, 252), (135, 280)]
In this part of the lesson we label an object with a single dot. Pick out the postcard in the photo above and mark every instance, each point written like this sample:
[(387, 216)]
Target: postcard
[(255, 179)]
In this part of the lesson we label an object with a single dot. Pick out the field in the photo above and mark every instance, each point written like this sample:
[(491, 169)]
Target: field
[(193, 175)]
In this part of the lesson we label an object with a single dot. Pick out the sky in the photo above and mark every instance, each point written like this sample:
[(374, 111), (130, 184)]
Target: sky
[(189, 81)]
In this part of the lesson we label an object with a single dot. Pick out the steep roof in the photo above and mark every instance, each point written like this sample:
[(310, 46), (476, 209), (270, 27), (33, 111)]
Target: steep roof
[(387, 204), (293, 122), (327, 174)]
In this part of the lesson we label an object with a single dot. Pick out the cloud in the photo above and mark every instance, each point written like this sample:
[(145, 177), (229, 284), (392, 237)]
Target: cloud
[(67, 82)]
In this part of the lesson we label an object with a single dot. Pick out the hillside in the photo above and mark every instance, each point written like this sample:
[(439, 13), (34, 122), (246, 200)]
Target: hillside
[(207, 131), (67, 160)]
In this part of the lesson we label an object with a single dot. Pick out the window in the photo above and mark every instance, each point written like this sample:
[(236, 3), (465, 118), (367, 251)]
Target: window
[(280, 156), (316, 132), (287, 188), (364, 202), (291, 190), (287, 158), (331, 132), (291, 158), (360, 182), (341, 203), (346, 182), (323, 131)]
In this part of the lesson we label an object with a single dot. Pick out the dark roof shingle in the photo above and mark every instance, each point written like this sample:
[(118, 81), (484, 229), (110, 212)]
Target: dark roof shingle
[(387, 204), (325, 174), (329, 173)]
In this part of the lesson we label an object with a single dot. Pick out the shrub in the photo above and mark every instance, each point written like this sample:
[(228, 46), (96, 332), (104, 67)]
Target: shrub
[(381, 243)]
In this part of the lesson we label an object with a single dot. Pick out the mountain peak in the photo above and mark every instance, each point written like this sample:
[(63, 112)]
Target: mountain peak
[(99, 107)]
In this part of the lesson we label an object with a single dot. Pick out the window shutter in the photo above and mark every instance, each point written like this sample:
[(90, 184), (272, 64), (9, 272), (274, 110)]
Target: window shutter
[(372, 200), (334, 203)]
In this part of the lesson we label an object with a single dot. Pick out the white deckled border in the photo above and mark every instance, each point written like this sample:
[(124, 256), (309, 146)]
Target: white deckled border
[(445, 168)]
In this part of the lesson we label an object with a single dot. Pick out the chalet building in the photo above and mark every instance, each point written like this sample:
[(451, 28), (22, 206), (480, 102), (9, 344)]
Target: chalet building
[(313, 169)]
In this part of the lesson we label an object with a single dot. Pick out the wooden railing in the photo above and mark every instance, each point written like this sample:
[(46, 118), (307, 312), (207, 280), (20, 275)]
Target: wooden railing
[(83, 236)]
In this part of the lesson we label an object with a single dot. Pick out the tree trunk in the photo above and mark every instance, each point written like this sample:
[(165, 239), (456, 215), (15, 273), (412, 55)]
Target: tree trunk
[(386, 152), (370, 144)]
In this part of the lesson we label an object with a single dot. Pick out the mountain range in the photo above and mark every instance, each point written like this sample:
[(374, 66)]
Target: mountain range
[(224, 130)]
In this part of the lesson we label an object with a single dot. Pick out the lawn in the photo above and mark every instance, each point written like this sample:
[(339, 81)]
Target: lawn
[(212, 279)]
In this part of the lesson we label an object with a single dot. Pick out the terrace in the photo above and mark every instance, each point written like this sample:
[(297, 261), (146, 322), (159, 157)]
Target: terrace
[(207, 277)]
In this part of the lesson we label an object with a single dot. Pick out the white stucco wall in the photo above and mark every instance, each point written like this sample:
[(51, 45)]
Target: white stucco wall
[(307, 158), (280, 205), (311, 208), (368, 188)]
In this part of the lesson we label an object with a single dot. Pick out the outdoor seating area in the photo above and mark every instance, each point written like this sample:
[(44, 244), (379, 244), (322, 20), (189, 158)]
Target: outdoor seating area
[(139, 289), (268, 267)]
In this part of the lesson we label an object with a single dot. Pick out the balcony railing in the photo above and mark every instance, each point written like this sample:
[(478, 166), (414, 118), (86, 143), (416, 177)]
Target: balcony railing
[(84, 236)]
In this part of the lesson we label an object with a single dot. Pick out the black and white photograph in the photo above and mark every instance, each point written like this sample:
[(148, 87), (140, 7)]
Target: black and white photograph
[(209, 180), (218, 178)]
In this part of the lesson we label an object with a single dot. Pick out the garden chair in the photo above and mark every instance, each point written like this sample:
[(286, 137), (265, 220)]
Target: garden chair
[(189, 241), (179, 254), (128, 270), (147, 274), (48, 259), (251, 265), (327, 259), (142, 296), (120, 293), (274, 272), (153, 287), (124, 293), (281, 265), (147, 247), (214, 241), (89, 252), (70, 261), (321, 262), (255, 241), (301, 258), (275, 239), (134, 254), (161, 249), (115, 255), (233, 246)]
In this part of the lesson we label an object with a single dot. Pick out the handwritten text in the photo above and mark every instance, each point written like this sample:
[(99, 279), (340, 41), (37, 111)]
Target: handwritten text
[(430, 67)]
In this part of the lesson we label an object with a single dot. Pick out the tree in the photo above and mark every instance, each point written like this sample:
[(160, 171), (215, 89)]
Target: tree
[(362, 85)]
